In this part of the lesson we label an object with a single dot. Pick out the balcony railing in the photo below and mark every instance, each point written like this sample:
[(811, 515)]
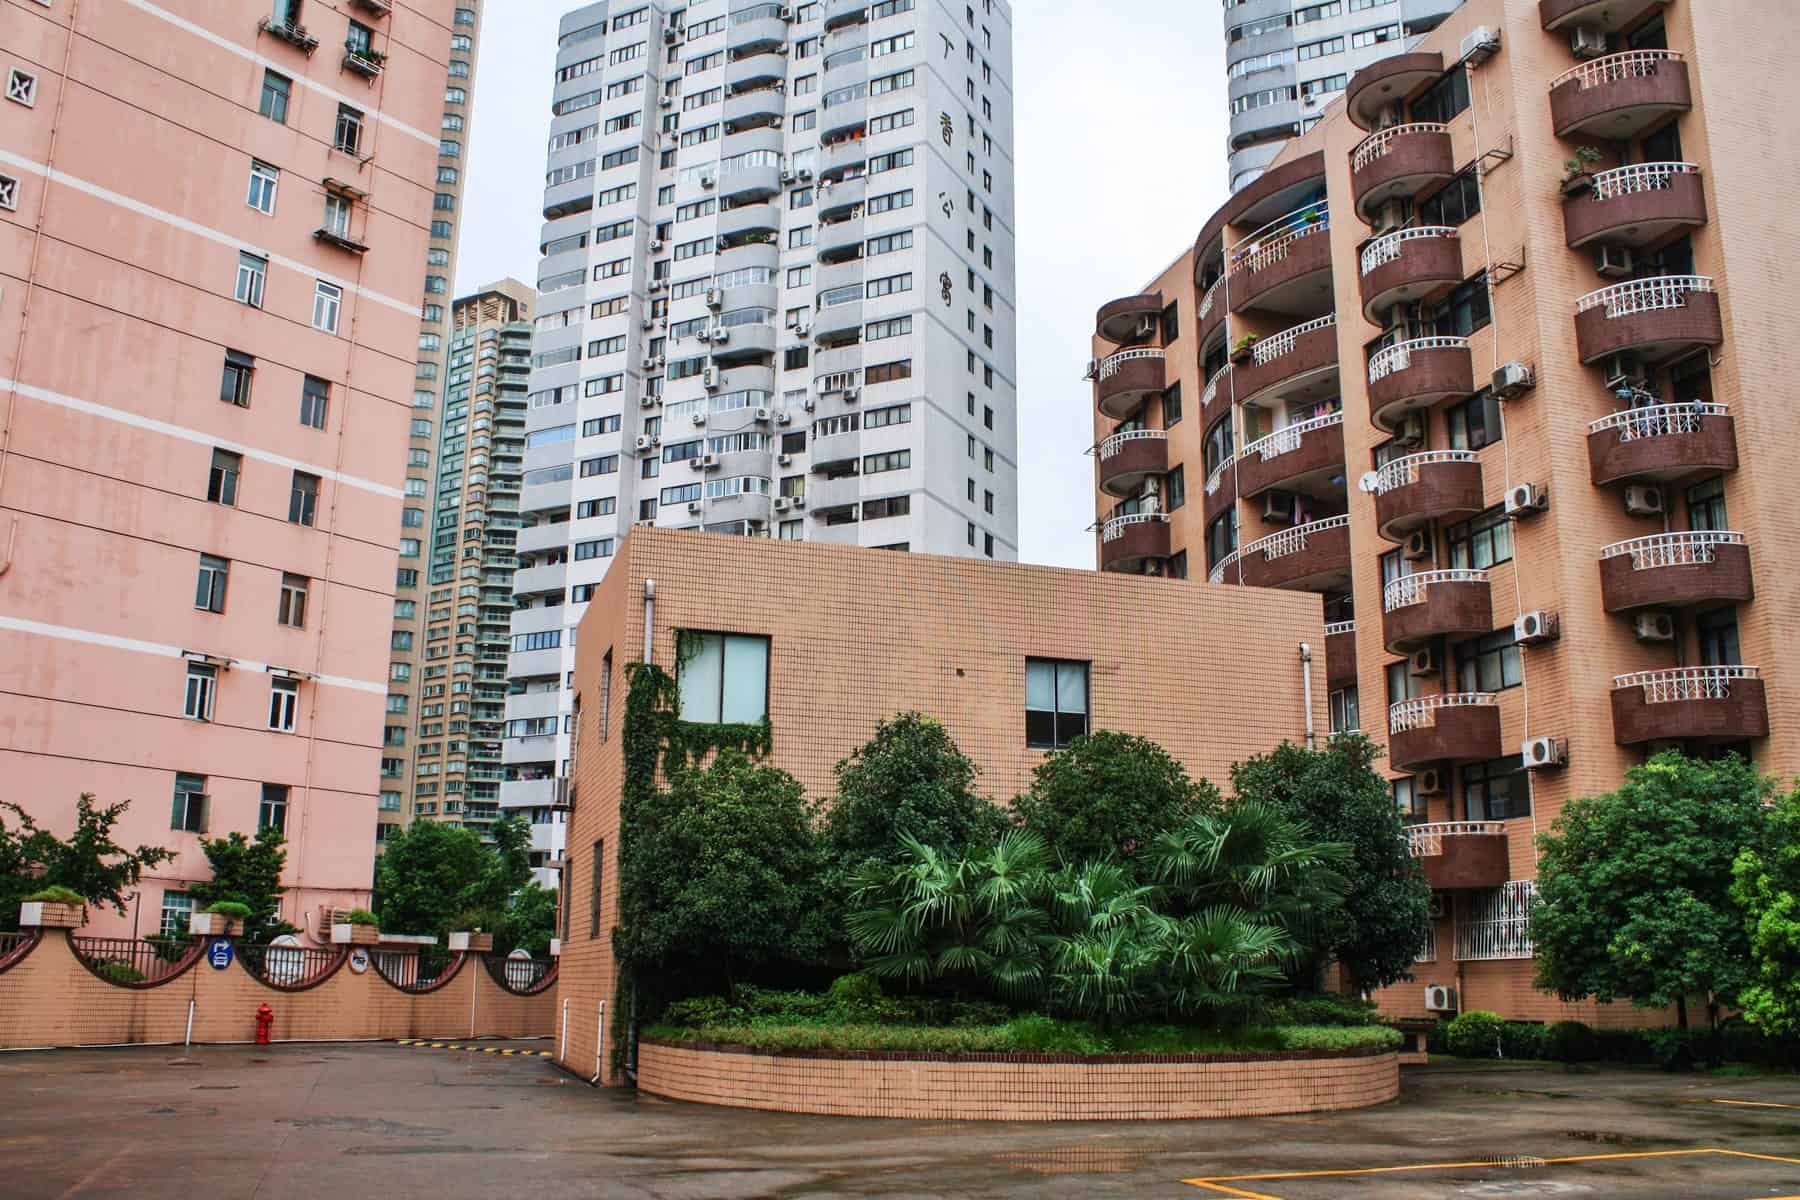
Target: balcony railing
[(1267, 253), (1384, 250), (1427, 841), (1291, 541), (1114, 363), (1661, 420), (1496, 924), (1410, 589), (1638, 177), (1211, 391), (1216, 477), (1633, 64), (1421, 711), (1217, 574), (1378, 144), (1118, 441), (1685, 683), (1287, 439), (1398, 356), (1644, 295), (1267, 350), (1335, 628), (1212, 293), (1404, 471), (1673, 549), (1115, 527)]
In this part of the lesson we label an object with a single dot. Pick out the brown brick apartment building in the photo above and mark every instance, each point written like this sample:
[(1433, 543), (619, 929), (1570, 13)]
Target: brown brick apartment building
[(1522, 429), (825, 640)]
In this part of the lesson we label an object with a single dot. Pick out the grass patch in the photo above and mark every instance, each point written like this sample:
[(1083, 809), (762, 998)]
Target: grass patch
[(1031, 1034)]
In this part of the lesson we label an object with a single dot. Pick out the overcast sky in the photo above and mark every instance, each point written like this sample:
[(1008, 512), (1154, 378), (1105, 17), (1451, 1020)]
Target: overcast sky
[(1120, 146)]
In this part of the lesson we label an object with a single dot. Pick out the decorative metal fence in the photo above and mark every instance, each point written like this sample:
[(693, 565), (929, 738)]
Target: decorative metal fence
[(414, 972), (135, 961), (291, 968), (520, 976)]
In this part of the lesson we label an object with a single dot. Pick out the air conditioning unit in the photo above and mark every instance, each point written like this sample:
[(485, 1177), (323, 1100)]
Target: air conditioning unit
[(707, 181), (660, 360), (1642, 501), (1438, 908), (799, 501), (1512, 379), (784, 417), (1587, 42), (811, 404), (1439, 998), (1625, 371), (656, 243), (1526, 498), (704, 335), (1279, 506), (782, 504), (645, 442), (721, 336), (784, 13), (762, 414), (708, 462), (649, 362), (1542, 753), (1418, 544), (802, 328), (668, 102), (787, 176), (804, 172), (775, 122), (714, 297), (659, 285), (784, 460), (699, 419), (782, 50), (1424, 662), (709, 379), (1612, 262), (646, 401), (851, 395), (1480, 45), (1654, 626), (1429, 782), (693, 506), (1536, 626), (1411, 431)]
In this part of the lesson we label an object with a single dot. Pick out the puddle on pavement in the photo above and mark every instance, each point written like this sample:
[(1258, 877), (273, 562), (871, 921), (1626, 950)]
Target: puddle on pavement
[(1607, 1139), (1073, 1160)]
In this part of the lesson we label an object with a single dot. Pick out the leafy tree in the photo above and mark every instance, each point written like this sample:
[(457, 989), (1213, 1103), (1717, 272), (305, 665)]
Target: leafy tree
[(909, 781), (529, 923), (1109, 795), (732, 876), (249, 873), (1633, 886), (89, 862), (434, 878), (1765, 883), (1385, 914)]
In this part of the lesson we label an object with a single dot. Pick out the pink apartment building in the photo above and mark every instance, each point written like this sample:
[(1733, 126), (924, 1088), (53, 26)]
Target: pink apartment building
[(213, 226)]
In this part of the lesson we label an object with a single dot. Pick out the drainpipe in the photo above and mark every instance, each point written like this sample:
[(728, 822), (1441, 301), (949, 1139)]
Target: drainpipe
[(1306, 686), (562, 1046), (599, 1042), (649, 621)]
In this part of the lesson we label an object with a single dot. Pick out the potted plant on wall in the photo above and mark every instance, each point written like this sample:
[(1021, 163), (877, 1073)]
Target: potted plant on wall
[(225, 918), (1240, 351), (473, 941), (1577, 178), (53, 908), (360, 927)]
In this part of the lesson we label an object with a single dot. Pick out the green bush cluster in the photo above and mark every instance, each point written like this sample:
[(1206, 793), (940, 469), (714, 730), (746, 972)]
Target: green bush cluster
[(851, 1000), (54, 895), (1474, 1035), (119, 972)]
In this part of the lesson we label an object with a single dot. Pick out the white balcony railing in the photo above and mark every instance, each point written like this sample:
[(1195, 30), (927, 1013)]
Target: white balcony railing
[(1266, 254), (1384, 250), (1421, 711), (1427, 841), (1685, 683), (1633, 64), (1638, 177), (1404, 471), (1215, 478), (1287, 439), (1680, 549), (1398, 356), (1114, 363), (1410, 589), (1496, 924), (1206, 301), (1660, 420), (1379, 143), (1217, 574), (1212, 387), (1292, 541), (1267, 350), (1119, 441), (1115, 527), (1337, 627), (1644, 295)]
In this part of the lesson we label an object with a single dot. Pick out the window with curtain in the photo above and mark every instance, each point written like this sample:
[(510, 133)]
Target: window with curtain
[(1056, 702), (723, 678)]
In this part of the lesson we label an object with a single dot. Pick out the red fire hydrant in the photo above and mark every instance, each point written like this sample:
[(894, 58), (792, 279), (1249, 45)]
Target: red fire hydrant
[(265, 1021)]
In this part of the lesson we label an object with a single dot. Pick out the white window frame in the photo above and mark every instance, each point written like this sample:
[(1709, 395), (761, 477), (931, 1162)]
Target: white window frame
[(252, 279), (328, 301), (284, 703), (265, 180), (200, 691)]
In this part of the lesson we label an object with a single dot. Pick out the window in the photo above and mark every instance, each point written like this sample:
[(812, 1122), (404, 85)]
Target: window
[(1344, 717), (723, 677), (275, 91), (1487, 664), (892, 460), (327, 299), (337, 223), (1463, 311), (1056, 702), (1171, 406), (1408, 801), (1374, 37), (1717, 631), (234, 383), (222, 478), (202, 685), (177, 910), (1221, 537), (263, 181), (1706, 505), (1443, 99), (598, 876), (290, 609), (209, 592), (284, 701), (1174, 490), (1481, 541), (252, 277), (1459, 200), (1475, 422), (1498, 790), (189, 812), (315, 399), (303, 499), (347, 136)]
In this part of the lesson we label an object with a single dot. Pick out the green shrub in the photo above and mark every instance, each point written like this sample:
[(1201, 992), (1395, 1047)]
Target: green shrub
[(119, 972), (774, 1036), (1570, 1042), (361, 916), (1523, 1039), (964, 1013), (230, 909), (1474, 1034), (1039, 1034), (1323, 1009), (1337, 1037), (767, 1002), (702, 1010), (56, 894), (1436, 1039)]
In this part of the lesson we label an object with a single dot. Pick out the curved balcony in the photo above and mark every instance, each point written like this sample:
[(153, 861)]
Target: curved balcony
[(1383, 84), (756, 32), (839, 280), (752, 254), (1610, 15), (837, 322), (1676, 570), (1340, 655), (1303, 457), (839, 238), (1460, 854), (1124, 380), (1455, 727), (1437, 485), (840, 158), (846, 195), (839, 13), (1636, 205), (749, 218), (1417, 374), (754, 109), (843, 117), (1307, 557), (1712, 704), (1128, 542), (749, 341), (1408, 265), (1287, 273), (749, 184), (1215, 388), (1220, 489), (1120, 321), (1429, 604), (1127, 459), (1210, 316), (1664, 442), (755, 70), (1296, 364), (1619, 96), (1655, 318), (1398, 163)]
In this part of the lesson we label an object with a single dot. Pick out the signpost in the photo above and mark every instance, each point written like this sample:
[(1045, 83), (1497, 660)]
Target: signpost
[(219, 953)]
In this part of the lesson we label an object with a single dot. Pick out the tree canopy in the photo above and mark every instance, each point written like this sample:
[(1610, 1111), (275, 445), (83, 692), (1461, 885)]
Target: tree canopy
[(434, 878), (88, 862), (1109, 795), (249, 873), (1765, 883)]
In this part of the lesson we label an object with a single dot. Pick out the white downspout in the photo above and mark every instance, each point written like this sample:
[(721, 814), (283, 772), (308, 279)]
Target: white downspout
[(599, 1042), (649, 621), (562, 1046), (1306, 686)]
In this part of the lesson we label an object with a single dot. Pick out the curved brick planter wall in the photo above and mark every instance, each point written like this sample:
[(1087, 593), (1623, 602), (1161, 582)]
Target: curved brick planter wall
[(1001, 1087)]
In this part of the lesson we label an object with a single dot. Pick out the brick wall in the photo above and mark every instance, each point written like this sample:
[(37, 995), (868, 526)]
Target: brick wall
[(48, 998), (1014, 1088)]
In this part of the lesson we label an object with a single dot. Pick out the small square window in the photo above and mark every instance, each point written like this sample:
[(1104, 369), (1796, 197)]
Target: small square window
[(177, 908), (723, 678), (9, 193), (1056, 702), (21, 87)]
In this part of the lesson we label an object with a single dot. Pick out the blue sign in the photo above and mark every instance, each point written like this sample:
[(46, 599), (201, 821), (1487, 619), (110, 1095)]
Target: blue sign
[(218, 953)]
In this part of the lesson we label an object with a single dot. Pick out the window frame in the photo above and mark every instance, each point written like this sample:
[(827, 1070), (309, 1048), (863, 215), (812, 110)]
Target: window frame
[(1057, 740)]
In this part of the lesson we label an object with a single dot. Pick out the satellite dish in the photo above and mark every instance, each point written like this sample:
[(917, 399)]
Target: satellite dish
[(1370, 481)]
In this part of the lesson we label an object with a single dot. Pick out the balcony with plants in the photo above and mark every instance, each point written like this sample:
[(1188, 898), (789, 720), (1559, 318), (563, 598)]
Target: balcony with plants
[(1298, 364), (1285, 267), (1636, 205)]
